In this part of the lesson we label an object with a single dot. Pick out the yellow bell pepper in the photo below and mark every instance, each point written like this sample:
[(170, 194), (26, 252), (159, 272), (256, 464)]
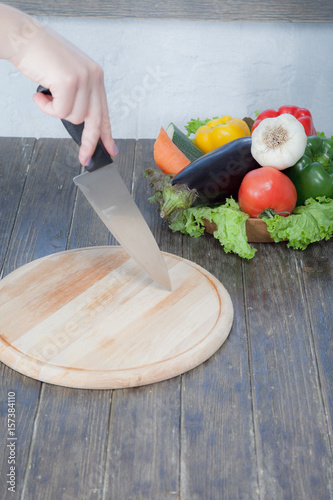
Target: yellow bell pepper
[(219, 131)]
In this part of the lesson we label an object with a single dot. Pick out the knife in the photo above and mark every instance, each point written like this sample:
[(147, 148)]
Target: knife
[(107, 193)]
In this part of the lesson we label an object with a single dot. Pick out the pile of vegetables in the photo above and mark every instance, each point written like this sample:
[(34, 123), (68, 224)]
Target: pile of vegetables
[(225, 170)]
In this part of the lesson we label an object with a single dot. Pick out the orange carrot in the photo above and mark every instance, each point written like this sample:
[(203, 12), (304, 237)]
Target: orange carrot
[(167, 156)]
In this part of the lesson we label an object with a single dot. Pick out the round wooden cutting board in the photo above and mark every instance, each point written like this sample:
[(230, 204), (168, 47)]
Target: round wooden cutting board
[(90, 318)]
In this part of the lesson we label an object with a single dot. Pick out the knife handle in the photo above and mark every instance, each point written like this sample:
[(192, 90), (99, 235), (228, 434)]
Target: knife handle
[(100, 157)]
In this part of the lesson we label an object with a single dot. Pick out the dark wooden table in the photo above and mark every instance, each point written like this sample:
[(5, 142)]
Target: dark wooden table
[(252, 422)]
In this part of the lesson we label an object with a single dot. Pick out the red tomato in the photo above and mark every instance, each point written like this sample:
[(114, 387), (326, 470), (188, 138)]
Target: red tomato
[(267, 188)]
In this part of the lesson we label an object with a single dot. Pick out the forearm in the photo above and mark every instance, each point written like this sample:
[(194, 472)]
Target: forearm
[(75, 81), (16, 31)]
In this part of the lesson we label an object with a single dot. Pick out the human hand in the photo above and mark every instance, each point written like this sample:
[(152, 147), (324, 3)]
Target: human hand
[(76, 83)]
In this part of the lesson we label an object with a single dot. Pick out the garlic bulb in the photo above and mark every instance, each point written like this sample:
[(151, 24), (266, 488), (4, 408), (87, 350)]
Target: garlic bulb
[(278, 142)]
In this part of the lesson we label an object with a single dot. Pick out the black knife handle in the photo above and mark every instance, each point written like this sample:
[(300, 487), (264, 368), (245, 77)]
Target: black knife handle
[(100, 157)]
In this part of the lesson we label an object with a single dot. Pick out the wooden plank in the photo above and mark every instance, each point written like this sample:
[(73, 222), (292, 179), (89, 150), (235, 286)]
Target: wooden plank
[(44, 216), (294, 454), (68, 449), (26, 397), (41, 226), (143, 458), (218, 444), (210, 10), (143, 450), (15, 157), (317, 270), (217, 441), (79, 418)]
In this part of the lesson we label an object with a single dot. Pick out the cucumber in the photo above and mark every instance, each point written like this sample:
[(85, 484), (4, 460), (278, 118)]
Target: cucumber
[(186, 146)]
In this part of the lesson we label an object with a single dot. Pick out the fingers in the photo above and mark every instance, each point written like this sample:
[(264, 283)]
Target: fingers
[(107, 139), (97, 126), (90, 136), (67, 102), (60, 103), (82, 98), (44, 102), (89, 139), (106, 132)]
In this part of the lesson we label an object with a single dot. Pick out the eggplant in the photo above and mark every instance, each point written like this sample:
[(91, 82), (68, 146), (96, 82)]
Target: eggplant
[(217, 175)]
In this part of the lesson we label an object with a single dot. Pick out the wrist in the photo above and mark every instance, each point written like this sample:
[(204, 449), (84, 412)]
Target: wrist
[(17, 31)]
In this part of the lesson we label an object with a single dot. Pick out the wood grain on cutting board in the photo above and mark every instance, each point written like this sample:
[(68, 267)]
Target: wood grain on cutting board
[(91, 318)]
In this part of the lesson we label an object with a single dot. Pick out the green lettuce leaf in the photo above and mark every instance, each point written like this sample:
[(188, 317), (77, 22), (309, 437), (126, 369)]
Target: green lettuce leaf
[(158, 181), (322, 134), (193, 125), (309, 223), (230, 222), (190, 221), (167, 197)]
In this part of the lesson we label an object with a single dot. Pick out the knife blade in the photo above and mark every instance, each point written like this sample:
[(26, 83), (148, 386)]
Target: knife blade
[(107, 193)]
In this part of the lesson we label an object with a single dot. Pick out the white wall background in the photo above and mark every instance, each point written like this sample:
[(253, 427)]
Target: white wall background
[(162, 71)]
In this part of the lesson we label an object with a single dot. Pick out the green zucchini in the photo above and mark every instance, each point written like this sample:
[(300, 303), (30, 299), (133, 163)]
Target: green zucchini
[(186, 146)]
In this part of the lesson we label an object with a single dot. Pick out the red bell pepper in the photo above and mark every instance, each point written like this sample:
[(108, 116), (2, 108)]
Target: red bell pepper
[(303, 116)]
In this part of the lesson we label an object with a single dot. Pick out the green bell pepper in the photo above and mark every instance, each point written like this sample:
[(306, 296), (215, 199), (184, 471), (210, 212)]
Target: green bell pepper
[(312, 175)]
